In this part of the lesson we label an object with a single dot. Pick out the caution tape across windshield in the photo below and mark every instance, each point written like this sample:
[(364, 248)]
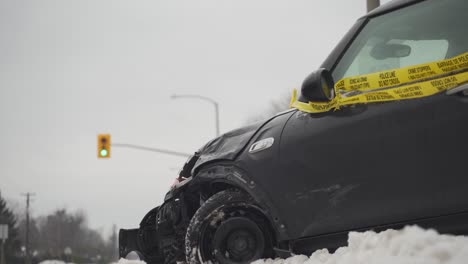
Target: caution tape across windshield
[(398, 84)]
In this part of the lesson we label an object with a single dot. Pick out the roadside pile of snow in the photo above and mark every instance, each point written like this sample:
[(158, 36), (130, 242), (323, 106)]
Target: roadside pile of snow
[(411, 245), (126, 261), (53, 261)]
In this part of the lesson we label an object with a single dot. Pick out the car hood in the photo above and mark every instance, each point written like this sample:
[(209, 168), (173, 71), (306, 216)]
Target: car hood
[(229, 145)]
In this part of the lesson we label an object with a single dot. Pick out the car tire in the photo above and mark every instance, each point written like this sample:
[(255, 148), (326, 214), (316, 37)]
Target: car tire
[(229, 228)]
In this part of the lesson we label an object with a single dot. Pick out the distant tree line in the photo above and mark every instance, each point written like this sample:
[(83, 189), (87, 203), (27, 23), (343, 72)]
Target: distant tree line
[(12, 244), (51, 235)]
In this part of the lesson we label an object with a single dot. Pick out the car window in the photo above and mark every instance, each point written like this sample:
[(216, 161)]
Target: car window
[(421, 51), (428, 31)]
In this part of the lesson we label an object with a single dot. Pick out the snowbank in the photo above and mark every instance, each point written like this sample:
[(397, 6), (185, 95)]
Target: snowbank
[(126, 261), (412, 245), (52, 261)]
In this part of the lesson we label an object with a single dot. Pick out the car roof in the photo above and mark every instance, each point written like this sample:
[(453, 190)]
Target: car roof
[(390, 6)]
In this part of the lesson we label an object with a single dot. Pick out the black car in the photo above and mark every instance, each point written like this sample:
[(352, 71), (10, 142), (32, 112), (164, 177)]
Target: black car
[(334, 163)]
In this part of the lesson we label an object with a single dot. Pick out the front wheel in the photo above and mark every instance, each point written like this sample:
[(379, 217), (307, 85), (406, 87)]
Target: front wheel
[(229, 228)]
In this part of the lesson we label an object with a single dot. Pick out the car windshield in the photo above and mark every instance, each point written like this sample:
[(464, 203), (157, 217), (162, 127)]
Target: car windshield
[(428, 31)]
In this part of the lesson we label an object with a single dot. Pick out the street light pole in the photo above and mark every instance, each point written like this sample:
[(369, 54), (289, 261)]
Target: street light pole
[(372, 4), (216, 106)]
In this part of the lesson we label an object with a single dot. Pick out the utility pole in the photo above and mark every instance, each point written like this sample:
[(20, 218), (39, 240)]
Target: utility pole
[(115, 244), (372, 4), (28, 255)]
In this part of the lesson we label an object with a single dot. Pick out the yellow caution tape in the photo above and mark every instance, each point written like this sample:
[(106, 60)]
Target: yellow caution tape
[(404, 75), (390, 85)]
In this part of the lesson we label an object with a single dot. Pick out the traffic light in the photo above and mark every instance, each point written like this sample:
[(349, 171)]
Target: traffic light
[(104, 146)]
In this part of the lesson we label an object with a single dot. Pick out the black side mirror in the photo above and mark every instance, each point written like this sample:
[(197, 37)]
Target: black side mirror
[(318, 86)]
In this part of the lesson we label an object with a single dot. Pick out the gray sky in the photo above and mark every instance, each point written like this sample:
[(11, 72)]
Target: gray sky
[(72, 69)]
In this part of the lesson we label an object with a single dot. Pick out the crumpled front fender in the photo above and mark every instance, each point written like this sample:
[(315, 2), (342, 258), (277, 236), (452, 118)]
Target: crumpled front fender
[(230, 175)]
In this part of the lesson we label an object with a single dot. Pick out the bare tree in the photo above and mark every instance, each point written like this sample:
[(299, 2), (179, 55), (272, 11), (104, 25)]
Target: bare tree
[(50, 235), (12, 244), (278, 105)]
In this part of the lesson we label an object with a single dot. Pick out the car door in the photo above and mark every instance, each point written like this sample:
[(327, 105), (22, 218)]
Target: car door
[(375, 164)]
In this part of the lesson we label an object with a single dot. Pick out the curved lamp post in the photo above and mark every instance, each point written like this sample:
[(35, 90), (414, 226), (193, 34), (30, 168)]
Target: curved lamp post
[(176, 96)]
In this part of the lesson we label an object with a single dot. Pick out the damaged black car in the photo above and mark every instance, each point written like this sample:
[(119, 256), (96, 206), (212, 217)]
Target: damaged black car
[(375, 140)]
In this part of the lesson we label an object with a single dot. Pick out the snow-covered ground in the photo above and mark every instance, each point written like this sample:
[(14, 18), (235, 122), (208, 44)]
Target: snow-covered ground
[(52, 261), (126, 261), (411, 245)]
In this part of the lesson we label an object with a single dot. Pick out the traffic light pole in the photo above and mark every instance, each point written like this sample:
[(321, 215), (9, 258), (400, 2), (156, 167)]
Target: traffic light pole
[(163, 151)]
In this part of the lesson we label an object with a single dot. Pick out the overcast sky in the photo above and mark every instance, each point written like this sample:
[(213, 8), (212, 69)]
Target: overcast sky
[(72, 69)]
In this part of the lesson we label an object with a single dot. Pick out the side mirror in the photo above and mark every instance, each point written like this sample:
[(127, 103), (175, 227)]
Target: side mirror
[(318, 86)]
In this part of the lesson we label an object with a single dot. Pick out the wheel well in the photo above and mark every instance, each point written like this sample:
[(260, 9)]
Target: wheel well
[(227, 204), (216, 187), (209, 189)]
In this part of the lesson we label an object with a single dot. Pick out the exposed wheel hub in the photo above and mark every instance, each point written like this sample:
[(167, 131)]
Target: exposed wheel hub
[(238, 240), (241, 244)]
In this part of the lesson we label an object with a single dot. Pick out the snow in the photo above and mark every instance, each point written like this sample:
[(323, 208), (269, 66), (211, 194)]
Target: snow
[(127, 261), (217, 218), (411, 245), (52, 261)]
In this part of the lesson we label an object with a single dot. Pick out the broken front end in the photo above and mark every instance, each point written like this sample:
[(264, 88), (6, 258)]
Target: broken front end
[(216, 212), (161, 235)]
